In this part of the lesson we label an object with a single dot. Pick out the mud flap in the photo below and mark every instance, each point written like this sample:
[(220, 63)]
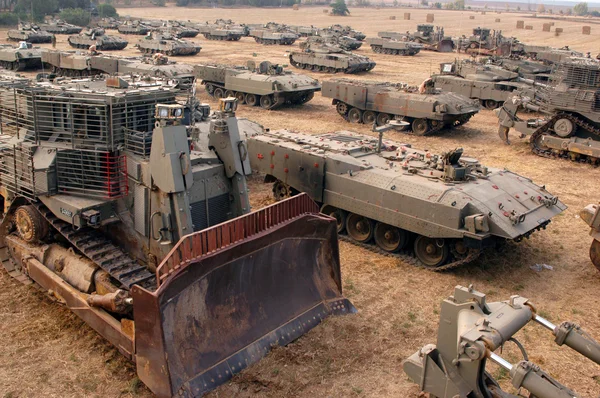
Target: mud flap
[(222, 311)]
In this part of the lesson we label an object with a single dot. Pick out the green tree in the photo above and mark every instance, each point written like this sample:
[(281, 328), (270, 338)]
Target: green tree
[(424, 3), (541, 9), (75, 16), (459, 4), (395, 3), (581, 9), (106, 11), (437, 5), (39, 8), (340, 8), (569, 12)]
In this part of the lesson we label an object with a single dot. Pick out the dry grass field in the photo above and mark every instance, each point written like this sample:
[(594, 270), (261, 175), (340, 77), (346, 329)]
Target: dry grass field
[(48, 352)]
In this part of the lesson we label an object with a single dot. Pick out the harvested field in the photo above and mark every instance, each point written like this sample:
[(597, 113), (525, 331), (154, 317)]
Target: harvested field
[(49, 352)]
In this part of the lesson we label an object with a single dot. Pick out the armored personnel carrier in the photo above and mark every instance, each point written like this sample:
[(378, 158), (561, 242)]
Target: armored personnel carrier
[(281, 36), (432, 38), (267, 85), (329, 58), (488, 83), (133, 27), (571, 102), (98, 39), (59, 27), (394, 47), (591, 215), (168, 45), (425, 109), (344, 31), (30, 34), (128, 215), (304, 31), (470, 330), (436, 211), (25, 56)]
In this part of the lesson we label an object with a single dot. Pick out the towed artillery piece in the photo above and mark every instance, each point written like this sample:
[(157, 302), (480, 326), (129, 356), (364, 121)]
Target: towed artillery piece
[(394, 47), (25, 56), (434, 211), (432, 38), (30, 34), (470, 330), (321, 57), (571, 103), (344, 30), (133, 27), (426, 110), (59, 27), (591, 215), (281, 36), (166, 44), (97, 40), (128, 215), (267, 85)]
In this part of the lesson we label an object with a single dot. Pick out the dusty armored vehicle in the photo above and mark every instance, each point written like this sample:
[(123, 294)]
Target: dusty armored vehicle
[(591, 215), (571, 104), (436, 211), (532, 70), (267, 85), (344, 31), (486, 41), (425, 109), (133, 28), (30, 34), (168, 45), (108, 23), (25, 56), (346, 43), (154, 215), (273, 36), (330, 59), (490, 84), (393, 47), (304, 31), (98, 39), (470, 330), (181, 30), (557, 56), (61, 28), (222, 32), (160, 66), (75, 64), (432, 38)]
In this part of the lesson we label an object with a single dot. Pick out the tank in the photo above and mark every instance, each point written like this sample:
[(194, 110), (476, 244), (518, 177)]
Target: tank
[(346, 43), (58, 27), (97, 38), (180, 30), (488, 83), (133, 27), (167, 45), (268, 36), (222, 32), (108, 23), (159, 66), (571, 108), (304, 31), (22, 57), (345, 31), (153, 214), (486, 41), (424, 108), (266, 84), (330, 59), (29, 33), (394, 47), (434, 211), (432, 38), (536, 71)]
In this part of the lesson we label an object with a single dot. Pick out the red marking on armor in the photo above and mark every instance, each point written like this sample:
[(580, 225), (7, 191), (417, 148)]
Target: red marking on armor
[(260, 156), (495, 186), (285, 170), (316, 165), (506, 214), (272, 166), (517, 196), (286, 156), (272, 153), (525, 192)]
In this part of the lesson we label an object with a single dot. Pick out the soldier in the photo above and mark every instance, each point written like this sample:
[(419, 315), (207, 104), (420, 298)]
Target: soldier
[(53, 41)]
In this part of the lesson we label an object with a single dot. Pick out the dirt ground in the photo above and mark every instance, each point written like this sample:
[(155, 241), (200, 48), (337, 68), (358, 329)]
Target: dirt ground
[(48, 352)]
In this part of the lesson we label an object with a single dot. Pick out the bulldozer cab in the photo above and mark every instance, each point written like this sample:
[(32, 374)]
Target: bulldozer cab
[(425, 28)]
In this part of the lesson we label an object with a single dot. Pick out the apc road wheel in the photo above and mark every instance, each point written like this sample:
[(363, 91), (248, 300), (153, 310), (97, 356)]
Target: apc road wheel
[(266, 102), (420, 126), (473, 45), (390, 238), (595, 254), (354, 115), (369, 117), (342, 108), (229, 93), (241, 97), (338, 214), (219, 93), (564, 128), (32, 227), (251, 99), (431, 252), (331, 69), (491, 104), (383, 119), (359, 228)]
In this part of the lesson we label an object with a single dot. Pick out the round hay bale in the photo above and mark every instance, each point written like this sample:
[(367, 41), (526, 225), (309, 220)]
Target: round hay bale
[(471, 16), (520, 24)]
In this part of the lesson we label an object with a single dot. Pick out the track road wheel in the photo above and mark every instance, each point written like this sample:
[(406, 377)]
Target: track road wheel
[(251, 99), (382, 119), (341, 108), (595, 254), (219, 93), (564, 128), (266, 101), (491, 104), (32, 227), (420, 126), (241, 97), (355, 115), (229, 93), (431, 252), (359, 228), (390, 238), (369, 117), (281, 190), (338, 214)]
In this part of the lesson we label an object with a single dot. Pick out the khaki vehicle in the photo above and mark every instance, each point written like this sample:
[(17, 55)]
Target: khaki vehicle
[(487, 41), (343, 30), (393, 47), (30, 34), (591, 215), (281, 36), (133, 27), (470, 330), (322, 57), (346, 43), (25, 56), (557, 56), (180, 30), (59, 27), (536, 71), (221, 31), (108, 23), (434, 211), (432, 38), (425, 109), (154, 215), (266, 85), (167, 45), (304, 31), (97, 39)]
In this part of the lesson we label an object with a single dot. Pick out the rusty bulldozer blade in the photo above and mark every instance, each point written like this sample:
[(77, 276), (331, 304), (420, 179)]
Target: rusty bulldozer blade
[(228, 293)]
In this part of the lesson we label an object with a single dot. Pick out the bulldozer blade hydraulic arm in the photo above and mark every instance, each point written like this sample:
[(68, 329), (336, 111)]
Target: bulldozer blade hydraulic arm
[(235, 290)]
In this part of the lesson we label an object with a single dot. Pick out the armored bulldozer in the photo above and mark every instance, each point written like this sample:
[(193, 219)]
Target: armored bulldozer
[(432, 38), (321, 57), (393, 47), (25, 56), (30, 34), (425, 109), (167, 45), (59, 27), (133, 27), (470, 330), (488, 83), (281, 36), (591, 215), (96, 39), (571, 103), (267, 85), (142, 227), (487, 41), (434, 211), (344, 31)]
